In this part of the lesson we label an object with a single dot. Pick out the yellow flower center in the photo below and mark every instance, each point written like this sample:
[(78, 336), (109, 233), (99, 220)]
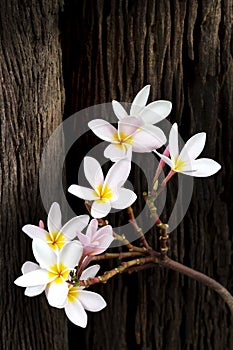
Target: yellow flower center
[(179, 164), (55, 240), (59, 272), (103, 192), (72, 294), (122, 138)]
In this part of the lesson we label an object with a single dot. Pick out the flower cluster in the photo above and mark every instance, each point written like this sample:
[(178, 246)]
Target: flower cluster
[(65, 251), (60, 251)]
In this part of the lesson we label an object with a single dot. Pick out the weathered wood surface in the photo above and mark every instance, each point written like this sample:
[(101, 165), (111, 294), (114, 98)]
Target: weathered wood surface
[(31, 100)]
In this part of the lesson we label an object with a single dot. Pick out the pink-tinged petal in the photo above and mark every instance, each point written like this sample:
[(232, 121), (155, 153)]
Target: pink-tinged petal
[(33, 278), (118, 174), (128, 126), (34, 291), (156, 111), (43, 254), (173, 142), (93, 172), (205, 167), (150, 137), (100, 209), (35, 232), (84, 239), (103, 129), (54, 218), (90, 272), (126, 198), (140, 101), (76, 313), (167, 160), (116, 152), (103, 231), (92, 228), (103, 244), (91, 301), (73, 226), (29, 266), (70, 254), (193, 147), (82, 192), (57, 293), (119, 111), (41, 224)]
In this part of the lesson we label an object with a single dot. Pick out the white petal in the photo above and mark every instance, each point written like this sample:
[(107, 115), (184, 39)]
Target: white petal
[(84, 239), (82, 192), (167, 160), (76, 313), (140, 101), (116, 152), (35, 232), (29, 266), (57, 293), (70, 254), (205, 167), (148, 138), (91, 301), (93, 172), (159, 110), (103, 129), (100, 209), (119, 111), (70, 229), (193, 147), (34, 291), (90, 272), (126, 198), (44, 255), (33, 278), (173, 142), (54, 218), (128, 126), (118, 174)]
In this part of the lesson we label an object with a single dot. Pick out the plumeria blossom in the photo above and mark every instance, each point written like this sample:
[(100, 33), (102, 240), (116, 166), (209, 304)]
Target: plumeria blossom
[(185, 162), (132, 135), (57, 235), (53, 271), (105, 193), (78, 300), (95, 241), (153, 113)]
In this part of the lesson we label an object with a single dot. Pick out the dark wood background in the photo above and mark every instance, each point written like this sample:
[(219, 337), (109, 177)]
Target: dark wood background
[(57, 58)]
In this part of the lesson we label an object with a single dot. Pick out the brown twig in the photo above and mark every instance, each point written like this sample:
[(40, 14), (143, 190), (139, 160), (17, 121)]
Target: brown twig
[(133, 221)]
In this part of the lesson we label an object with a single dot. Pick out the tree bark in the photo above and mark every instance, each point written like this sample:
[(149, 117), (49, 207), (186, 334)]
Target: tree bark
[(32, 100), (182, 48)]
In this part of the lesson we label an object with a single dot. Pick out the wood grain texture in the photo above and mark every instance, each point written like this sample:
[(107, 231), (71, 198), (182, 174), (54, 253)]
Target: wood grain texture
[(111, 49), (31, 100)]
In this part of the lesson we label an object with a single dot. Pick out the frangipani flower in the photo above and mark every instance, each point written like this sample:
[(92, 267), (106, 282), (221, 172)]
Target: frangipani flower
[(95, 241), (57, 235), (132, 135), (185, 162), (105, 193), (79, 300), (150, 114), (54, 270)]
